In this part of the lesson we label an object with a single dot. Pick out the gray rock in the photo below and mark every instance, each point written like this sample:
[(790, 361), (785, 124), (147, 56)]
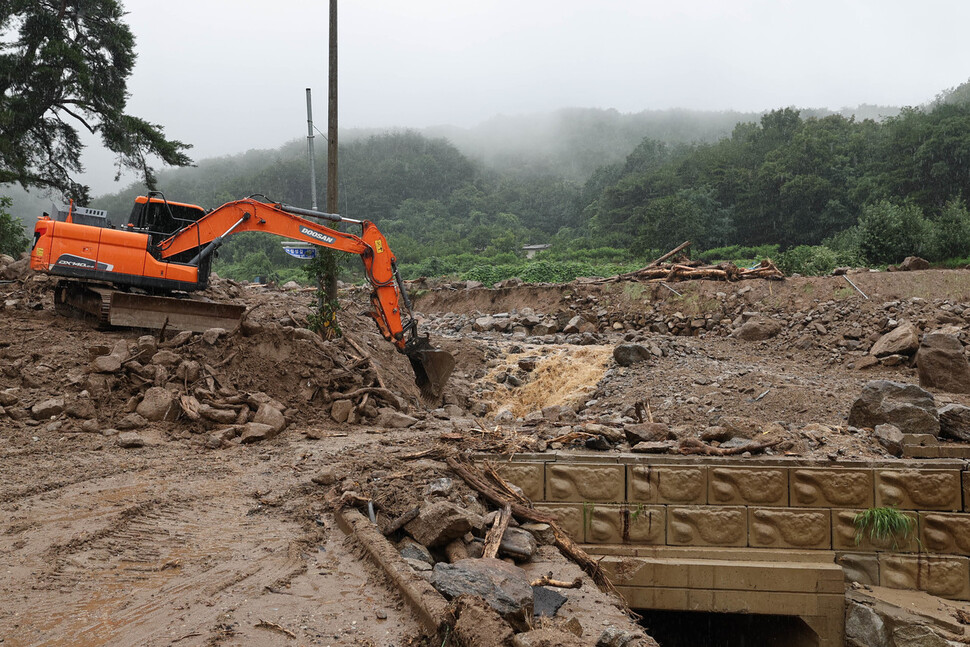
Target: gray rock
[(165, 358), (955, 422), (912, 263), (440, 487), (630, 354), (907, 406), (131, 421), (418, 565), (253, 432), (158, 404), (223, 416), (504, 587), (106, 364), (267, 414), (82, 408), (904, 340), (8, 397), (541, 531), (395, 419), (518, 544), (757, 329), (864, 627), (615, 637), (440, 522), (326, 476), (574, 325), (942, 365), (212, 335), (917, 636), (890, 437), (504, 416), (340, 410), (546, 602), (47, 409), (130, 440), (410, 549), (646, 432), (657, 446)]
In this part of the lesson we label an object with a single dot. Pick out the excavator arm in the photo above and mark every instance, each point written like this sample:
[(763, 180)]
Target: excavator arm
[(431, 366), (250, 214)]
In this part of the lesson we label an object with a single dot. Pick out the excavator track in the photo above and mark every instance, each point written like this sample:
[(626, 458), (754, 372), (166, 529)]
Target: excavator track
[(113, 308)]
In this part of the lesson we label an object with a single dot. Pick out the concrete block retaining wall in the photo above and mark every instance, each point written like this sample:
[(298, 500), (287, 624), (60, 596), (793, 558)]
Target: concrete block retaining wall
[(775, 504)]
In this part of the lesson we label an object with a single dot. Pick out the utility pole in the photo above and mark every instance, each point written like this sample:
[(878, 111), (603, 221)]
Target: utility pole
[(309, 148), (332, 201)]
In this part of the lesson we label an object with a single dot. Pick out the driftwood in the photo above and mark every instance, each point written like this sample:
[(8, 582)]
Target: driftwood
[(684, 245), (492, 489), (493, 538), (546, 580), (683, 269), (694, 446)]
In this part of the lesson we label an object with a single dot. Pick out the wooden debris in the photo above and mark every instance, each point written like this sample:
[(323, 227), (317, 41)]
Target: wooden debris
[(492, 491), (546, 580), (493, 538), (399, 523), (262, 624), (682, 268), (694, 446)]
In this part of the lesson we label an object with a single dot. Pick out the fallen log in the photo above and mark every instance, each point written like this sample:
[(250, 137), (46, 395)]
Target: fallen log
[(694, 446)]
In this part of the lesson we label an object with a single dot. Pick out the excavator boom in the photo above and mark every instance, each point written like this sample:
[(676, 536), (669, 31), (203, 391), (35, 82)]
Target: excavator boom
[(159, 261)]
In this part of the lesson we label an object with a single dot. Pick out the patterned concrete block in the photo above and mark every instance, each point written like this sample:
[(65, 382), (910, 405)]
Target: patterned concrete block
[(789, 528), (919, 489), (707, 526), (569, 516), (832, 488), (944, 576), (748, 486), (528, 476), (945, 532), (585, 482), (684, 484), (844, 535), (859, 567), (626, 524)]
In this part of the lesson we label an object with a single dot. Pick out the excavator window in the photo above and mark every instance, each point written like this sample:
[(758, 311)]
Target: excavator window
[(161, 220)]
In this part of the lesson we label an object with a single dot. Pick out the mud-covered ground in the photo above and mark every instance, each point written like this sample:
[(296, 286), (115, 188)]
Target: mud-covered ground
[(187, 537)]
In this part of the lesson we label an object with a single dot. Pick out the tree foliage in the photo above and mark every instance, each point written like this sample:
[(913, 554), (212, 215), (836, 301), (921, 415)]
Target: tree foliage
[(64, 64), (12, 239)]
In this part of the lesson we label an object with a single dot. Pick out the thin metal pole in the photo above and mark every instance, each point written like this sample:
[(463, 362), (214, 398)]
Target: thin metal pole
[(855, 286), (309, 146)]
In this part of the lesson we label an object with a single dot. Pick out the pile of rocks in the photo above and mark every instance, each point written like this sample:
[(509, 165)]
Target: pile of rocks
[(446, 544)]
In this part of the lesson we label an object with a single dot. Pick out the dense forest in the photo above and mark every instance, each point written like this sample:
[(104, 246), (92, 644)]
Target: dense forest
[(608, 191)]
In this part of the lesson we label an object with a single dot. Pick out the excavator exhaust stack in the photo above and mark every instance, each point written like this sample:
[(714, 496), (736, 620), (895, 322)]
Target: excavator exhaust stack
[(432, 367)]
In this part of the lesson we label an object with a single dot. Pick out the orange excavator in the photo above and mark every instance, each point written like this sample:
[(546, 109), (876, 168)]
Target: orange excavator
[(126, 276)]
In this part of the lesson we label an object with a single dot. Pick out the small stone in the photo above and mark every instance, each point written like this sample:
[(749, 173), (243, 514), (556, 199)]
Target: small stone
[(106, 364), (47, 409), (132, 421), (439, 523), (326, 476), (267, 414), (130, 440), (410, 549), (253, 432), (518, 544), (890, 437), (393, 419), (340, 410), (165, 358), (212, 335), (630, 354)]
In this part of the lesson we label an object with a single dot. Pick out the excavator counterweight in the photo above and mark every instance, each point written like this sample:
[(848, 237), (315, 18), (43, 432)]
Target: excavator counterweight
[(167, 248)]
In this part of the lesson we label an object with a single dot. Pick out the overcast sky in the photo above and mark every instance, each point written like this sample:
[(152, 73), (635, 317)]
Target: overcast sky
[(230, 75)]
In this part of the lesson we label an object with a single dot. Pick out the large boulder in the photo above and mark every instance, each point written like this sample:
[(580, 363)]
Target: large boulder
[(440, 522), (757, 329), (630, 354), (506, 588), (942, 365), (902, 340), (906, 406), (158, 404), (955, 422)]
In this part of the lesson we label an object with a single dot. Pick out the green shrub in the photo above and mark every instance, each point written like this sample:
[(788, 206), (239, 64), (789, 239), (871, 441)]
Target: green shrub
[(891, 232), (12, 239), (951, 232), (739, 254), (815, 260)]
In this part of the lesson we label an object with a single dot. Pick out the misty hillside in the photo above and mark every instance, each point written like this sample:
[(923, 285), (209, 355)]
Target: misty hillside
[(605, 195)]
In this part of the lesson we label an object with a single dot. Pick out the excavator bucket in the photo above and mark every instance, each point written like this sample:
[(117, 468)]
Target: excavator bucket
[(432, 367)]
